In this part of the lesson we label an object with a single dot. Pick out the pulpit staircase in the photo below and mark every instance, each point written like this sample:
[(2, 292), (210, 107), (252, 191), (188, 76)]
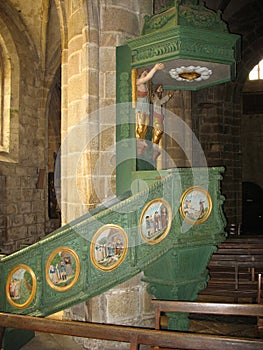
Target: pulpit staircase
[(174, 265)]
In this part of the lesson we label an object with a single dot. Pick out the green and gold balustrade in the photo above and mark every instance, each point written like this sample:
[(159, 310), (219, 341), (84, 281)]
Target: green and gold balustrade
[(168, 229)]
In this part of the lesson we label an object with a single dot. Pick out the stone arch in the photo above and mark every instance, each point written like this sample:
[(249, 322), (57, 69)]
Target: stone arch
[(13, 39), (63, 23), (26, 136), (53, 113), (246, 64), (250, 28), (19, 33), (10, 74)]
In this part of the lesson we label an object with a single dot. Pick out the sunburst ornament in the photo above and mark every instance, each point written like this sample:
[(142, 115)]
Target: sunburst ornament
[(190, 73)]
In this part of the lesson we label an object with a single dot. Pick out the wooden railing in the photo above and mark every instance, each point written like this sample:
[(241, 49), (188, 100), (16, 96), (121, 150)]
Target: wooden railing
[(132, 335), (256, 310)]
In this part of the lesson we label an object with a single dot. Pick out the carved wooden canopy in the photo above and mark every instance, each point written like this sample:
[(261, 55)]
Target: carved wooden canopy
[(192, 41)]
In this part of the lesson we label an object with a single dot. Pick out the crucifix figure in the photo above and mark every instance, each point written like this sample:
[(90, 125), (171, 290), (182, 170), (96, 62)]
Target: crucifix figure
[(142, 109)]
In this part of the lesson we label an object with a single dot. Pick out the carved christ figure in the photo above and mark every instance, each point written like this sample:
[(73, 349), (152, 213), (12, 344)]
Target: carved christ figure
[(142, 109), (158, 101)]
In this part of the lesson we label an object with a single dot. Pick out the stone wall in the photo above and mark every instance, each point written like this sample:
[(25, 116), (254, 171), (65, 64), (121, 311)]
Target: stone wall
[(217, 125), (128, 304), (252, 132), (25, 212), (88, 88), (252, 146)]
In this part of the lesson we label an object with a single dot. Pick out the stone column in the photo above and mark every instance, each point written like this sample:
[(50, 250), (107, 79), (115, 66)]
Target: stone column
[(88, 137)]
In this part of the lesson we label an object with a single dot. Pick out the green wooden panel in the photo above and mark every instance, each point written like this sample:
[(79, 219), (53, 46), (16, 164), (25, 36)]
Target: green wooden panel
[(125, 129), (187, 34), (15, 338)]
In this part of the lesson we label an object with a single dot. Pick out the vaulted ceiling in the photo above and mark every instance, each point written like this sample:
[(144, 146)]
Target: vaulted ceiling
[(243, 17)]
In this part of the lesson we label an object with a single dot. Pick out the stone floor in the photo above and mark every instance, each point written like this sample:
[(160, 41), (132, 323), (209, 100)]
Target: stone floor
[(47, 341), (222, 325)]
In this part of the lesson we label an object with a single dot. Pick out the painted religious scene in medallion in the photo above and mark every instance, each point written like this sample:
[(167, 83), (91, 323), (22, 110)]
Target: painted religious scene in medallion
[(62, 269), (155, 221), (196, 205), (21, 286), (108, 247)]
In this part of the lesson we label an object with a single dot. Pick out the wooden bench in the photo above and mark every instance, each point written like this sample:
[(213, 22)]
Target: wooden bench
[(240, 242), (164, 306), (245, 238), (234, 286), (234, 268), (259, 325)]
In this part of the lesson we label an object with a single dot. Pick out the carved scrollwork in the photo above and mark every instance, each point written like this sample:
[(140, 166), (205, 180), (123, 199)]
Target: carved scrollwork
[(198, 48), (201, 17), (124, 111), (156, 50), (156, 22), (168, 48), (162, 5)]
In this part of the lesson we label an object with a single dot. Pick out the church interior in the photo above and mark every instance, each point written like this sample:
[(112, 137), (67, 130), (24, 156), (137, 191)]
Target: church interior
[(130, 165)]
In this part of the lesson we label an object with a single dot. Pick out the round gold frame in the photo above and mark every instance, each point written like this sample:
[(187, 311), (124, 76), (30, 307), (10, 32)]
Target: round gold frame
[(77, 272), (8, 283), (207, 211), (93, 245), (161, 201)]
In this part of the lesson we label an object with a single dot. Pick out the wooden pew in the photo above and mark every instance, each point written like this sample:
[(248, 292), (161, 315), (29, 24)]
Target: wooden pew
[(245, 238), (234, 286), (234, 267), (259, 325), (163, 306)]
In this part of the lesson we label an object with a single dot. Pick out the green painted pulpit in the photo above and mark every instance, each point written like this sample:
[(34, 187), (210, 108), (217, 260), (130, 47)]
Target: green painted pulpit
[(165, 223), (197, 51)]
